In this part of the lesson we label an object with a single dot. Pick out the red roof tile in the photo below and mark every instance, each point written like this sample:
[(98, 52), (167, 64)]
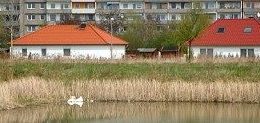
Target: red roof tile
[(69, 35), (233, 35)]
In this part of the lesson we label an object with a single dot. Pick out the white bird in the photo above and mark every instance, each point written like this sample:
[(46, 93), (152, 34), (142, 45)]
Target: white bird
[(258, 14), (73, 101)]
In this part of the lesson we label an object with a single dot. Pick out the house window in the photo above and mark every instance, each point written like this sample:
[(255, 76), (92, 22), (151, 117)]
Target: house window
[(31, 28), (247, 30), (6, 8), (221, 30), (206, 52), (125, 6), (42, 6), (44, 52), (90, 5), (251, 53), (16, 7), (31, 17), (66, 52), (53, 17), (64, 6), (31, 6), (77, 6), (42, 17), (53, 6), (139, 6), (24, 52), (210, 52), (15, 17), (203, 52), (247, 53)]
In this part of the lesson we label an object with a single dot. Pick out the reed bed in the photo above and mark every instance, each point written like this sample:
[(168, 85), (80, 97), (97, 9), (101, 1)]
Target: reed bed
[(33, 91)]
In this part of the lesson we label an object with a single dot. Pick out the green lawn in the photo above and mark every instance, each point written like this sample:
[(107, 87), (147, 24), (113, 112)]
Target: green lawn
[(207, 72)]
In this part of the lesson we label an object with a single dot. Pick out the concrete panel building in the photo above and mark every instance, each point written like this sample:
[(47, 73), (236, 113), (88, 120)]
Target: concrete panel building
[(33, 14)]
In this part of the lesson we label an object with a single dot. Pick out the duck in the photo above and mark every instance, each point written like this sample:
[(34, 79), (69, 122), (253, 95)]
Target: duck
[(73, 100)]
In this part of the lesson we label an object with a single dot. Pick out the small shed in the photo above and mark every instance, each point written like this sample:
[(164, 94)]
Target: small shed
[(168, 52), (148, 52)]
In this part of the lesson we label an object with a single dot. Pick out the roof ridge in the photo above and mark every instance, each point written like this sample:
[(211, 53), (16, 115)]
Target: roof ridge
[(26, 35), (94, 29), (111, 35)]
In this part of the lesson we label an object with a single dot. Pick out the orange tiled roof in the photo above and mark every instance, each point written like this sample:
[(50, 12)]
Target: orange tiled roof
[(69, 35)]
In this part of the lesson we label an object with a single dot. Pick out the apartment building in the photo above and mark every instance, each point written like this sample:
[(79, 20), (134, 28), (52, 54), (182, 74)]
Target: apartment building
[(33, 14)]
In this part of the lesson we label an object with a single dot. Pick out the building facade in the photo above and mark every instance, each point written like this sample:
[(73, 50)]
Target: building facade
[(33, 14)]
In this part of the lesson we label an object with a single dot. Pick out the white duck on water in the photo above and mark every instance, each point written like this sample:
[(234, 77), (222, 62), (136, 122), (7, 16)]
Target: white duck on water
[(73, 100)]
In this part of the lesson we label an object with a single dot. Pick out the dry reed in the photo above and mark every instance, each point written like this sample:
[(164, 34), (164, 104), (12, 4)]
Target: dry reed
[(32, 90)]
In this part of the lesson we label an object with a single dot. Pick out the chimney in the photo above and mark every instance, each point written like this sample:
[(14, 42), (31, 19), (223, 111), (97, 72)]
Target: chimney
[(82, 26)]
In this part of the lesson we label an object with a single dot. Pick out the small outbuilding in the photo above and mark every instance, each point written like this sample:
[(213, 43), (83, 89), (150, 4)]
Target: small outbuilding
[(169, 52), (148, 52), (70, 41)]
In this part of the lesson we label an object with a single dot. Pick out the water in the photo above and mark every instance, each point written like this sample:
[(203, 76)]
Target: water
[(112, 112)]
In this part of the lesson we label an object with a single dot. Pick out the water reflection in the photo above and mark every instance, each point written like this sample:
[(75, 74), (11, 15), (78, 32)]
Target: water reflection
[(135, 112)]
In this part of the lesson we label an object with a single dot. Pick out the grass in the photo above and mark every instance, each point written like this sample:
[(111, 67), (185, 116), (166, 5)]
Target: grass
[(66, 72), (34, 82)]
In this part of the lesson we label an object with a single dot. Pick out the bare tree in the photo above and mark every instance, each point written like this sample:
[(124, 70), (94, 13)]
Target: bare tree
[(112, 21), (10, 18)]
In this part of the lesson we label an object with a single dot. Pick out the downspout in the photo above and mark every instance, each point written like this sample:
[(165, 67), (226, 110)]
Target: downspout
[(242, 5)]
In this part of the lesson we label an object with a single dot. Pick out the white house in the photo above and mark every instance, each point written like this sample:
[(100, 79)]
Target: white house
[(229, 38), (70, 41)]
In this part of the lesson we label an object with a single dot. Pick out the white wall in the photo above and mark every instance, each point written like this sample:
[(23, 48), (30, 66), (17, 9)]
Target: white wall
[(80, 52), (225, 51)]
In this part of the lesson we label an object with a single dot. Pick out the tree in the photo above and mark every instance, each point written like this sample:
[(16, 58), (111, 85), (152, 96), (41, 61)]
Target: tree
[(145, 33), (4, 37), (192, 24), (118, 21), (9, 19), (140, 32)]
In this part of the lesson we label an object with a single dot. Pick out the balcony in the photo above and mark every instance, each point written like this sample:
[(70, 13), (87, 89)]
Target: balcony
[(155, 10), (178, 10), (54, 11), (82, 11), (34, 22), (228, 10), (131, 10)]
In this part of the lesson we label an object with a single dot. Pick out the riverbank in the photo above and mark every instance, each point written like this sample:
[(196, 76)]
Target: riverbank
[(118, 70), (35, 82), (34, 90)]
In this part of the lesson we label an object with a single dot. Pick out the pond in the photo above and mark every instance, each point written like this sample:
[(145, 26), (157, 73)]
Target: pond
[(137, 112)]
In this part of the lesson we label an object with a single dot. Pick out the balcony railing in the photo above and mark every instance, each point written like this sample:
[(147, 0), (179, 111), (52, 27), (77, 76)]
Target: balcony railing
[(83, 10)]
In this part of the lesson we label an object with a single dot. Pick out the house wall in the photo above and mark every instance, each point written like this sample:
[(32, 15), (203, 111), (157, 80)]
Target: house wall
[(80, 52), (225, 51)]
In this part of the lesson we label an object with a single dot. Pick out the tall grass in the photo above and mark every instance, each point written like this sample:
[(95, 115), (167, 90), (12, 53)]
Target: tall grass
[(33, 90)]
